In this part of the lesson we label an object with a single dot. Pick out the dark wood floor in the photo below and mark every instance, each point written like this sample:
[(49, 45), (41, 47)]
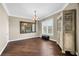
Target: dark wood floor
[(32, 47)]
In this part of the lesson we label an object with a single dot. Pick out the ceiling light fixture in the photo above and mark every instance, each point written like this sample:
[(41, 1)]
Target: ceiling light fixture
[(35, 16)]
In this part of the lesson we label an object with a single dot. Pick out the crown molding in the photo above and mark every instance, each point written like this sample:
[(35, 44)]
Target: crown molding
[(65, 6), (55, 12), (4, 6), (7, 11), (19, 16)]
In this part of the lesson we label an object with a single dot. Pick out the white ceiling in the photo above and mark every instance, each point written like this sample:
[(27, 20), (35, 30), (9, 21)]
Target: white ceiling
[(27, 9)]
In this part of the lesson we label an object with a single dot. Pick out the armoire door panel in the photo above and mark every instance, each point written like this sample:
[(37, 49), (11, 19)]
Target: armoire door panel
[(69, 19)]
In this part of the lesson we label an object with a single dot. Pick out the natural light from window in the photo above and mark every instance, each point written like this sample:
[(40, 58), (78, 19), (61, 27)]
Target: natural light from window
[(47, 27)]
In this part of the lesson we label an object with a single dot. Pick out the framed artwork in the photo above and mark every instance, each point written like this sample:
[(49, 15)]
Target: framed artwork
[(27, 27)]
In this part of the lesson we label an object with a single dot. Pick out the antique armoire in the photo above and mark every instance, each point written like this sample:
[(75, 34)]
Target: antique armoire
[(69, 30)]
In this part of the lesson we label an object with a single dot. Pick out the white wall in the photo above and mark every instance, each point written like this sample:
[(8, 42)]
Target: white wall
[(4, 29), (14, 27)]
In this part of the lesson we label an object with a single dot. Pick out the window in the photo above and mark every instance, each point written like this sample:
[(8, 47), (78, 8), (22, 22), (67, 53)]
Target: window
[(47, 27), (44, 29), (50, 29)]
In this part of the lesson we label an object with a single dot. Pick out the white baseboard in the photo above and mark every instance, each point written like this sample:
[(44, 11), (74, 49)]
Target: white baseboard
[(52, 40), (16, 39), (58, 44), (4, 48), (19, 39), (77, 53), (63, 51)]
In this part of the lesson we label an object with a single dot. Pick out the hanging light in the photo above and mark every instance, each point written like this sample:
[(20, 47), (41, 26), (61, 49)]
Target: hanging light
[(35, 16)]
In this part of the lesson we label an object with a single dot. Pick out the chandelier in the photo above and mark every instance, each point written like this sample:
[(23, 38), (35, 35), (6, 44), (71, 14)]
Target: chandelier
[(35, 16)]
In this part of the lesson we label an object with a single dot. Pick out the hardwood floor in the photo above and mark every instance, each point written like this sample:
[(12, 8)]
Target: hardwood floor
[(32, 47)]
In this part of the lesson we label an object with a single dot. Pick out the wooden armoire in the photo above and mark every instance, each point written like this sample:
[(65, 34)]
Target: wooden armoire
[(69, 30)]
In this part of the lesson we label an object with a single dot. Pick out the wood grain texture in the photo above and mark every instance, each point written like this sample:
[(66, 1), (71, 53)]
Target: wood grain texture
[(32, 47)]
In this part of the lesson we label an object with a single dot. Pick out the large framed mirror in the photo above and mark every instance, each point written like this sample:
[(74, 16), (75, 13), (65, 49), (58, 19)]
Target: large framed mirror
[(27, 27)]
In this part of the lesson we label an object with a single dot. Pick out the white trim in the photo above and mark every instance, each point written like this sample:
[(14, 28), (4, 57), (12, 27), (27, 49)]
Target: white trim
[(6, 9), (20, 17), (15, 40), (63, 51), (3, 48), (59, 45), (59, 16), (65, 6), (56, 11), (21, 39), (29, 18), (52, 40), (77, 53), (4, 6), (50, 14)]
